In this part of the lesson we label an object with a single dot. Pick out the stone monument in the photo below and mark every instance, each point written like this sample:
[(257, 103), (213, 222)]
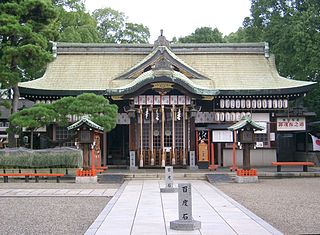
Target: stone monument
[(186, 221), (133, 161), (169, 181), (192, 161)]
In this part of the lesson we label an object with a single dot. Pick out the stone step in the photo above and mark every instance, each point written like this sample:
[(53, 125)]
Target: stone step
[(160, 176)]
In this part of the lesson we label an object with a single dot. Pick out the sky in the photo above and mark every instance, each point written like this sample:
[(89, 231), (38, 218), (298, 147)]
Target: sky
[(177, 17)]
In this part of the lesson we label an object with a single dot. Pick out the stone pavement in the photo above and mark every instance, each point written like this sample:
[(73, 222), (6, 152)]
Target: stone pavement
[(57, 192), (138, 207)]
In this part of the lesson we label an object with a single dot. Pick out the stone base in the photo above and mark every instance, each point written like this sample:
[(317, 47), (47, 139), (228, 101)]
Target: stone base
[(86, 179), (133, 168), (203, 164), (168, 190), (193, 168), (246, 179), (185, 225)]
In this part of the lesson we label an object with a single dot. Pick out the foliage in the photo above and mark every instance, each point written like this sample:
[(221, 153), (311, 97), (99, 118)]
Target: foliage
[(96, 107), (114, 28), (135, 33), (23, 39), (203, 35), (76, 25), (45, 158), (293, 30), (238, 36), (5, 103), (25, 32), (34, 117)]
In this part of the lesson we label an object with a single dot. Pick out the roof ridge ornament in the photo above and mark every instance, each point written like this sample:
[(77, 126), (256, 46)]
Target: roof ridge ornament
[(162, 64), (161, 41)]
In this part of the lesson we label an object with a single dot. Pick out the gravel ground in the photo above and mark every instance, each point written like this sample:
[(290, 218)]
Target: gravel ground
[(290, 205), (54, 185), (42, 215)]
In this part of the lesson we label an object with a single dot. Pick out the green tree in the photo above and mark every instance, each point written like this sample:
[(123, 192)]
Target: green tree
[(135, 33), (203, 35), (293, 30), (37, 116), (238, 36), (24, 34), (114, 28), (74, 24), (96, 107)]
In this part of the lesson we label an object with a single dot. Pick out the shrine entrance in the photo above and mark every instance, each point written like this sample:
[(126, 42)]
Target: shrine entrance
[(161, 132), (162, 139)]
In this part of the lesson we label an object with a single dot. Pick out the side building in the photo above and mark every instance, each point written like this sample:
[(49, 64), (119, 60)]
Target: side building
[(175, 99)]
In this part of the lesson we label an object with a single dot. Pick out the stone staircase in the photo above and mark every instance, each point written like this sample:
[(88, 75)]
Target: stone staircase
[(160, 176)]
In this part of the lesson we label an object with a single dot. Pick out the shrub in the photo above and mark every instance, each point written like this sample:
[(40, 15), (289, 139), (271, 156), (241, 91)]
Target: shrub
[(44, 158)]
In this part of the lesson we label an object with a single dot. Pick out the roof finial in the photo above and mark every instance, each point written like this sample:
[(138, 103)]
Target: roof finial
[(162, 41)]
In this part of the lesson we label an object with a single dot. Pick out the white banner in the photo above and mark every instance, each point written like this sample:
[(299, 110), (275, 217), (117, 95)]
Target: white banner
[(315, 143)]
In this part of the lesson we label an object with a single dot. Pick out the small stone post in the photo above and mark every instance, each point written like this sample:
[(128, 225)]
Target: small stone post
[(133, 161), (185, 222), (169, 181), (192, 161)]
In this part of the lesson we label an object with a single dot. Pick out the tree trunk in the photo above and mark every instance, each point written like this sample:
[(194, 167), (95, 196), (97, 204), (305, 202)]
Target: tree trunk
[(15, 100), (14, 108), (31, 139)]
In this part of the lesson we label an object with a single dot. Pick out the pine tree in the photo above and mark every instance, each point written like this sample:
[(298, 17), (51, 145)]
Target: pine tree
[(25, 31)]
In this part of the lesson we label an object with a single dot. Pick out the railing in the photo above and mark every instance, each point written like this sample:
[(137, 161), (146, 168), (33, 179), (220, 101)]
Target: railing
[(91, 172), (251, 172)]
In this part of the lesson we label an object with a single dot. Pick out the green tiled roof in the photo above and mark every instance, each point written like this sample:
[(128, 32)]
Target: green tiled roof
[(228, 68), (245, 120), (87, 121)]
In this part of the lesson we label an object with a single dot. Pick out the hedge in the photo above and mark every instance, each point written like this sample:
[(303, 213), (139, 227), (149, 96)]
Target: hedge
[(44, 158)]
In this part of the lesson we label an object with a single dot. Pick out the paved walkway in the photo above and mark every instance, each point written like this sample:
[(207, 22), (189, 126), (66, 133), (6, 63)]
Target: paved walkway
[(57, 192), (139, 208)]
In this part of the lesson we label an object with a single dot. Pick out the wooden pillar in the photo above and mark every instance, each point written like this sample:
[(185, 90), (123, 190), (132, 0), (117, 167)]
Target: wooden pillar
[(246, 156), (196, 144), (234, 161), (173, 161), (184, 119), (209, 144), (193, 140), (151, 138), (105, 148), (141, 139), (212, 155), (163, 160), (92, 157), (54, 132)]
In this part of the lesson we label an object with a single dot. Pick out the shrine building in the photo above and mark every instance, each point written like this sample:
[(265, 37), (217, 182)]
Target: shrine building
[(177, 99)]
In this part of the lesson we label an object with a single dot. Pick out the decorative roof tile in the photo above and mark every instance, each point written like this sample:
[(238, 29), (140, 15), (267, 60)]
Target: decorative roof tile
[(87, 121)]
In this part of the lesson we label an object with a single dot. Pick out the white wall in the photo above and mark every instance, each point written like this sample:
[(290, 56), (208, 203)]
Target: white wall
[(258, 157)]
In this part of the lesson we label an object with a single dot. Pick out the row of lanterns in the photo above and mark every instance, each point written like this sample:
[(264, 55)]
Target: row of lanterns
[(253, 103)]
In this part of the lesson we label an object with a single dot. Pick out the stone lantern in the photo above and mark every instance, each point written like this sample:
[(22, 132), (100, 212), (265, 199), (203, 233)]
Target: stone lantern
[(246, 128)]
